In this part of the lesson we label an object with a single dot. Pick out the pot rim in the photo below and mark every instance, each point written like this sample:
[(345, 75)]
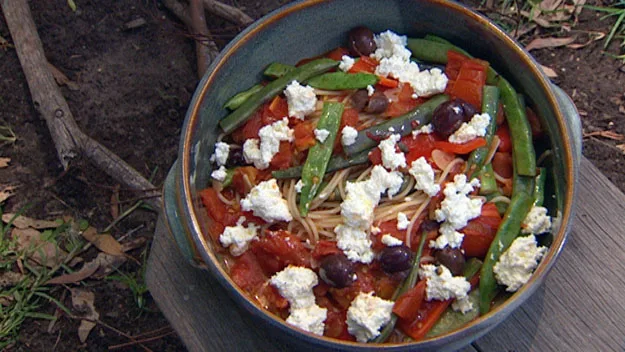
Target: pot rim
[(186, 201)]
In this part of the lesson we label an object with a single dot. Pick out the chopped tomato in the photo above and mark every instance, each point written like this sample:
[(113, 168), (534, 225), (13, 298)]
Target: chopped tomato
[(405, 102), (238, 179), (278, 107), (336, 320), (337, 54), (502, 164), (387, 82), (270, 298), (250, 129), (385, 287), (418, 146), (375, 156), (325, 247), (364, 283), (427, 315), (407, 305), (218, 210), (454, 62), (470, 82), (349, 118), (364, 64), (505, 144), (283, 157), (480, 232), (304, 135), (247, 273), (278, 249), (464, 148)]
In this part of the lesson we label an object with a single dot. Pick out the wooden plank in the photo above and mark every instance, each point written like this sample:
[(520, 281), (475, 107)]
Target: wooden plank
[(581, 305)]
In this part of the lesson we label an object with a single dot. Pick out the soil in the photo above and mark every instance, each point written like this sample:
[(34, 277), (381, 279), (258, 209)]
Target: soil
[(133, 90)]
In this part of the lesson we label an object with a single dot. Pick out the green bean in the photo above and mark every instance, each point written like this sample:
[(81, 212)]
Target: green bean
[(488, 184), (501, 205), (300, 74), (337, 162), (228, 180), (520, 132), (434, 49), (539, 187), (319, 155), (343, 80), (408, 283), (402, 125), (240, 98), (451, 320), (508, 230), (490, 101), (277, 69)]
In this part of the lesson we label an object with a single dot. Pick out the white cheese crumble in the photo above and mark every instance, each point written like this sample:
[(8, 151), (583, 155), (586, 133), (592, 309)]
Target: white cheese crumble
[(346, 63), (238, 237), (348, 135), (471, 130), (366, 315), (537, 221), (265, 200), (298, 186), (448, 237), (220, 156), (301, 99), (458, 208), (220, 174), (355, 243), (515, 266), (442, 285), (423, 174), (462, 305), (391, 159), (375, 230), (370, 90), (321, 135), (309, 319), (424, 83), (391, 241), (425, 129), (270, 138), (391, 44), (296, 284), (402, 221), (384, 181)]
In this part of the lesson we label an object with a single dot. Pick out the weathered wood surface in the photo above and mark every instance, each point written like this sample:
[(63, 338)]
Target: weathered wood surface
[(580, 307)]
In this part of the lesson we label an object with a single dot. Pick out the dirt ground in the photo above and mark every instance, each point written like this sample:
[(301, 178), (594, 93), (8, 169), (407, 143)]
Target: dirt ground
[(133, 90)]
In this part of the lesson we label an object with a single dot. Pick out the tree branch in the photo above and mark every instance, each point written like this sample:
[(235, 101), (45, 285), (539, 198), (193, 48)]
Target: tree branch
[(227, 12), (68, 139)]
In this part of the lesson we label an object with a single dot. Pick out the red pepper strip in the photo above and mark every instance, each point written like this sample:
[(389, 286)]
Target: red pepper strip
[(464, 148), (407, 305)]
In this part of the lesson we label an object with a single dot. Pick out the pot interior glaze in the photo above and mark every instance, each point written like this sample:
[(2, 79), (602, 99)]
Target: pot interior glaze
[(306, 29)]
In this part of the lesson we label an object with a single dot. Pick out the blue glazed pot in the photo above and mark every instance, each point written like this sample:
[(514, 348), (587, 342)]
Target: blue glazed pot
[(305, 29)]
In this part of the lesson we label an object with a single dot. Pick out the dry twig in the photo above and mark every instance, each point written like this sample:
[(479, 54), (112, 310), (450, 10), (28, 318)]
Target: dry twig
[(69, 140), (228, 12)]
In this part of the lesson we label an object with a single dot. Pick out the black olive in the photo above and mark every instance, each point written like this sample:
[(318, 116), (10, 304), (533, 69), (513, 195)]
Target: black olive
[(452, 258), (395, 259), (448, 116), (337, 271), (235, 158), (377, 104), (360, 42), (360, 99)]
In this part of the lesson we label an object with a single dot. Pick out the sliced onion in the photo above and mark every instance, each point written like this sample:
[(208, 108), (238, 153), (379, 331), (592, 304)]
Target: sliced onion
[(442, 159)]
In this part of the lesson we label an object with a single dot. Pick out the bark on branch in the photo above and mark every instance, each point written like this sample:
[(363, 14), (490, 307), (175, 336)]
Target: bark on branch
[(68, 139)]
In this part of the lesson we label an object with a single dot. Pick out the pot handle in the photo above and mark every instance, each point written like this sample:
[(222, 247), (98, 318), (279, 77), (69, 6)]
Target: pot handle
[(573, 123), (172, 216)]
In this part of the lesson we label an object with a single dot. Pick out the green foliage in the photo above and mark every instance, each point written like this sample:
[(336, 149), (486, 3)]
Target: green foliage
[(618, 28)]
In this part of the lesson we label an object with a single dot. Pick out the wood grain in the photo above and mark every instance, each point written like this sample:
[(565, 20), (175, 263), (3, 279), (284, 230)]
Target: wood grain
[(580, 306)]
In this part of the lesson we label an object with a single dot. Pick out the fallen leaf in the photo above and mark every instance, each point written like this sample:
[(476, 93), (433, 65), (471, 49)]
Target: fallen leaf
[(579, 5), (550, 5), (61, 79), (621, 147), (10, 278), (82, 301), (40, 251), (551, 73), (4, 162), (23, 222), (551, 42), (606, 134), (523, 30), (108, 263), (6, 192), (593, 36), (86, 271), (104, 242), (134, 243)]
